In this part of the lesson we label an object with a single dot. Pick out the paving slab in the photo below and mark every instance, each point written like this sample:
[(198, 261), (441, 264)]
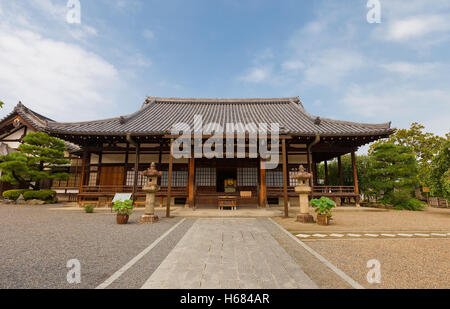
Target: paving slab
[(229, 253)]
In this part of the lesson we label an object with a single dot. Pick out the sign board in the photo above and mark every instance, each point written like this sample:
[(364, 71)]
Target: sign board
[(121, 197), (426, 189)]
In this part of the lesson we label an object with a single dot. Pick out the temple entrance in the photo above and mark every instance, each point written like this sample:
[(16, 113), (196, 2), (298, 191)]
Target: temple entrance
[(226, 180), (226, 177)]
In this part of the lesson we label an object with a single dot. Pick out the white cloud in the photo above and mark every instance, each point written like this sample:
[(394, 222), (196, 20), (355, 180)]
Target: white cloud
[(410, 69), (417, 26), (57, 79), (256, 75), (293, 65), (148, 34), (402, 104), (331, 66)]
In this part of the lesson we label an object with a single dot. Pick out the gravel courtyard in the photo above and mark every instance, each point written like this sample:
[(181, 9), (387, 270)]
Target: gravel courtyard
[(407, 260), (36, 242)]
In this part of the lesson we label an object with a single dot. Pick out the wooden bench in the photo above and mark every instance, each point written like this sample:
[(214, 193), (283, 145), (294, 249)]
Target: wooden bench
[(227, 201)]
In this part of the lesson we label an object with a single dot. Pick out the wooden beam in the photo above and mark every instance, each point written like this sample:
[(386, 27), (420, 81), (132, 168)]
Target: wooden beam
[(136, 170), (308, 154), (191, 183), (355, 177), (263, 188), (285, 179), (341, 173), (169, 184), (327, 182), (83, 172)]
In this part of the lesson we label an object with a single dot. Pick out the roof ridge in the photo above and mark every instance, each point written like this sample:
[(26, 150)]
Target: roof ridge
[(221, 100), (386, 125)]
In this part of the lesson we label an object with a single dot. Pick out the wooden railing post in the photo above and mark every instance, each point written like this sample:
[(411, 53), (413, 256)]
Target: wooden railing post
[(169, 184), (285, 180), (355, 178), (191, 183)]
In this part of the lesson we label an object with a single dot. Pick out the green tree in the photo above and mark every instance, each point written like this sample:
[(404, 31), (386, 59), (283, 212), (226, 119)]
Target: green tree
[(393, 175), (40, 157), (424, 145), (362, 166), (440, 173)]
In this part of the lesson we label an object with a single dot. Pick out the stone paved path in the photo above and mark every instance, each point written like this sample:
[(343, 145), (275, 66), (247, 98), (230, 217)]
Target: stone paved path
[(228, 253)]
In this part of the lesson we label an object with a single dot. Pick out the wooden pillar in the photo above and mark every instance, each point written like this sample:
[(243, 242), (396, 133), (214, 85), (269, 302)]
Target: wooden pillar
[(169, 184), (341, 174), (355, 178), (99, 170), (327, 180), (314, 166), (191, 183), (308, 154), (285, 180), (83, 172), (136, 170), (262, 185)]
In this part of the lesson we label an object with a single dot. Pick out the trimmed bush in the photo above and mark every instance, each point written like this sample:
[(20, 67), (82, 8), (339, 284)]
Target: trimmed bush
[(89, 209), (48, 196), (13, 195)]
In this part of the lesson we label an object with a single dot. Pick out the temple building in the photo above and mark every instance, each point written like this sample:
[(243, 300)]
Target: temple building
[(109, 155)]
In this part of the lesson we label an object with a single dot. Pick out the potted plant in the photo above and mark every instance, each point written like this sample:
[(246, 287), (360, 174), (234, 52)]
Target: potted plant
[(323, 207), (123, 210)]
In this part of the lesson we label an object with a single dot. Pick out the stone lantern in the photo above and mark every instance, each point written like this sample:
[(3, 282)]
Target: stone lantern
[(303, 189), (150, 188)]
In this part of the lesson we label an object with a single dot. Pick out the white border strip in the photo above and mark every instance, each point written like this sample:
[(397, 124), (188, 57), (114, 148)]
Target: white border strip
[(339, 272), (127, 266)]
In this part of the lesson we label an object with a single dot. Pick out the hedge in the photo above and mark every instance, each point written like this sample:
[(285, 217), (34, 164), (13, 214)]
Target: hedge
[(13, 195), (43, 195)]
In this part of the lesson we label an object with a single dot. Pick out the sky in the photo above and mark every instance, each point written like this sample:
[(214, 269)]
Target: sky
[(326, 52)]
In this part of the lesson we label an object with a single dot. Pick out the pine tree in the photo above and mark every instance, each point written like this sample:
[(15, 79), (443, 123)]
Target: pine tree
[(40, 157), (393, 174), (440, 173)]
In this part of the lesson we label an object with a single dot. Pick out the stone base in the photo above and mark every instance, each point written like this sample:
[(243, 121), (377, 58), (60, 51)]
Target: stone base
[(305, 218), (149, 219)]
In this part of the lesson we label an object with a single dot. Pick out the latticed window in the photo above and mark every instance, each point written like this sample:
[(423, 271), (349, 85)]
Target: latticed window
[(205, 177), (92, 179), (293, 182), (247, 177), (130, 179), (274, 178), (179, 178)]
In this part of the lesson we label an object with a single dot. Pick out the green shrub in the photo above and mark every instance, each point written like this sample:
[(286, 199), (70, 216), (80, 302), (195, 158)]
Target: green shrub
[(403, 200), (47, 196), (123, 207), (323, 206), (13, 195), (89, 209), (412, 204)]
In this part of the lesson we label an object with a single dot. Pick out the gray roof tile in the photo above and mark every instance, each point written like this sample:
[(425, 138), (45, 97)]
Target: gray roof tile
[(157, 116)]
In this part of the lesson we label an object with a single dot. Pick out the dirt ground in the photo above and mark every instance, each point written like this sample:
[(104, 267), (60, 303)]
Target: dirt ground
[(405, 262), (354, 219)]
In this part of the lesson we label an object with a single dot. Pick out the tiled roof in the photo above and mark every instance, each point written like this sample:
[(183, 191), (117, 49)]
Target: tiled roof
[(37, 121), (158, 115)]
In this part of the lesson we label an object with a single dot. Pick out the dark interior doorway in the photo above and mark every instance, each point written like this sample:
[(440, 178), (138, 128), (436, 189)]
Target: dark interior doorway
[(222, 175)]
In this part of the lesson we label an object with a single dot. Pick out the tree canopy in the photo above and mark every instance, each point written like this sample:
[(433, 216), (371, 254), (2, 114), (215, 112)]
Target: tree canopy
[(39, 157), (393, 174), (440, 173), (425, 145)]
